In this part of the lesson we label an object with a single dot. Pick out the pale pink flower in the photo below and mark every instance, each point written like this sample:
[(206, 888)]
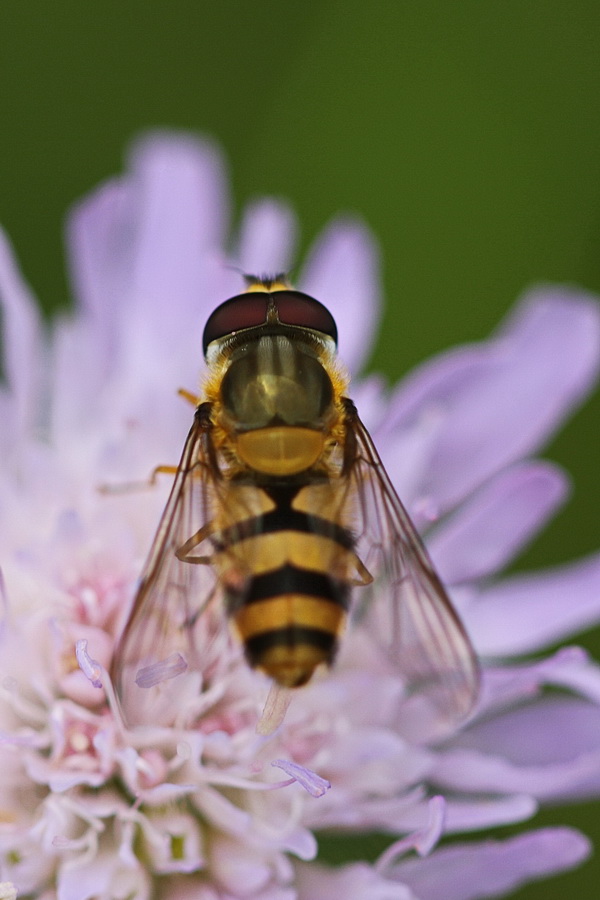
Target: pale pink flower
[(194, 803)]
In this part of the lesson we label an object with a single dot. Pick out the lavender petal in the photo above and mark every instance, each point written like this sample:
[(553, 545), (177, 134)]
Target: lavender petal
[(342, 272), (524, 613), (501, 400), (494, 525), (267, 238), (493, 868)]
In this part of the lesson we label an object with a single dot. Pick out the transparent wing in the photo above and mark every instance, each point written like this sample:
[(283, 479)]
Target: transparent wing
[(160, 639), (407, 608)]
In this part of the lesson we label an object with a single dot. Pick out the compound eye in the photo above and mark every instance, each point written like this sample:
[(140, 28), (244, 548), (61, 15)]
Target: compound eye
[(243, 311), (296, 308), (250, 310)]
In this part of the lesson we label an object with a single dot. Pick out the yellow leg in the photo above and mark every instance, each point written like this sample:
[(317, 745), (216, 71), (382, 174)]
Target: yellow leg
[(127, 486), (189, 396), (161, 470)]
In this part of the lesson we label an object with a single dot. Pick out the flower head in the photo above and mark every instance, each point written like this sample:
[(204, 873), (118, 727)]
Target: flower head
[(193, 802)]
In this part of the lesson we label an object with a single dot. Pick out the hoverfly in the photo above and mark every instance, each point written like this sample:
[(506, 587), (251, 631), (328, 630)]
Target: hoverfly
[(283, 520)]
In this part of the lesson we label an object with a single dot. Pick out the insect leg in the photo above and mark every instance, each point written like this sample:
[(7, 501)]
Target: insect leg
[(127, 486), (184, 553), (161, 470), (362, 576), (189, 396)]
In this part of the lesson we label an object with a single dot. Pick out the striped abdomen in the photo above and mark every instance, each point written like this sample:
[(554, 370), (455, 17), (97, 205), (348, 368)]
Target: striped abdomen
[(292, 607)]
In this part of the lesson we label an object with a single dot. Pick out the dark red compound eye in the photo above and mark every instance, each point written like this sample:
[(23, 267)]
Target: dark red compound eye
[(244, 311), (249, 310), (296, 308)]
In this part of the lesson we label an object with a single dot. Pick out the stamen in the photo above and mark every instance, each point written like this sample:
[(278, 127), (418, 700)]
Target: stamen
[(310, 781), (99, 677), (167, 668), (91, 668)]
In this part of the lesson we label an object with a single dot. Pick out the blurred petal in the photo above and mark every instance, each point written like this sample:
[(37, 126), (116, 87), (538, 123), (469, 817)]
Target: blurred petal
[(181, 213), (407, 453), (557, 729), (502, 399), (342, 271), (147, 257), (493, 868), (569, 667), (475, 814), (22, 347), (101, 239), (267, 238), (369, 394), (104, 877), (494, 525), (526, 612), (240, 870), (546, 749), (358, 881)]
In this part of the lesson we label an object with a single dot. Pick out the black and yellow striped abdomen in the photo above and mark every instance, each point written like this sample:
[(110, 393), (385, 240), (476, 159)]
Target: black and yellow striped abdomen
[(291, 607)]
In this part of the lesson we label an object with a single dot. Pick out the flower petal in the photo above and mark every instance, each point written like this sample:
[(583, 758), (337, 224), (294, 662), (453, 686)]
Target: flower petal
[(240, 869), (22, 347), (342, 271), (358, 881), (526, 612), (147, 258), (100, 233), (495, 524), (267, 238), (493, 868), (182, 216), (546, 749), (474, 814), (557, 729), (502, 399), (569, 667), (106, 876)]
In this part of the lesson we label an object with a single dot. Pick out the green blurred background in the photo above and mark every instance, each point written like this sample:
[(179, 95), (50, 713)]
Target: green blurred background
[(464, 133)]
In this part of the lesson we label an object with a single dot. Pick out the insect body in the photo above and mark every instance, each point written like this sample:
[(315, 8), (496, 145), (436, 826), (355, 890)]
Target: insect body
[(281, 513)]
